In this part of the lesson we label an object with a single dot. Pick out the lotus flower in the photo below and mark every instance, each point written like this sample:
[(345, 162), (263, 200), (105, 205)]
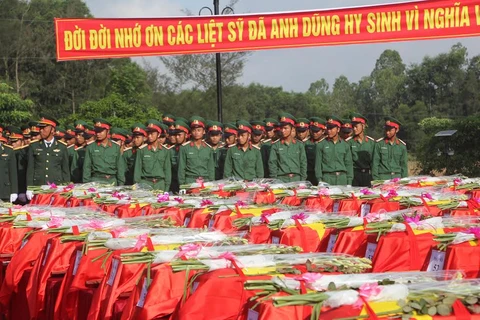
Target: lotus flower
[(227, 256), (427, 195), (264, 217), (240, 204), (95, 224), (117, 231), (52, 185), (206, 202), (475, 231), (323, 192), (179, 200), (368, 290), (300, 216), (414, 219), (69, 187), (92, 190), (309, 277), (141, 242), (392, 193), (55, 222), (395, 180), (188, 251), (366, 191), (163, 197)]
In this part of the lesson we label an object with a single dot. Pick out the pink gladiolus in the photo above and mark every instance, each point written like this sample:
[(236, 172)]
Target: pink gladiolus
[(240, 204), (163, 197), (220, 186), (92, 190), (368, 290), (264, 217), (55, 222), (52, 185), (95, 224), (392, 193), (118, 231), (414, 219), (427, 195), (206, 202), (227, 256), (189, 251), (309, 277), (300, 216), (475, 231), (366, 191), (141, 242), (323, 192), (457, 181), (395, 180), (179, 200)]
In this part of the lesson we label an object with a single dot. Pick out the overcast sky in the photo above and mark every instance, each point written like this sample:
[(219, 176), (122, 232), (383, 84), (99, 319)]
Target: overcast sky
[(292, 69)]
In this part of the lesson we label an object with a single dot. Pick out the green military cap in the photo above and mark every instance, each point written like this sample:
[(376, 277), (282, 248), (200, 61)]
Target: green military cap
[(270, 123), (357, 118), (287, 118), (229, 129), (333, 121), (139, 129), (154, 125), (26, 132), (302, 124), (69, 132), (89, 131), (244, 126), (181, 126), (34, 127), (197, 121), (258, 127), (346, 124), (165, 129), (100, 124), (317, 124), (181, 119), (168, 119), (392, 122), (47, 121), (215, 127), (15, 133), (59, 132), (118, 134), (80, 125)]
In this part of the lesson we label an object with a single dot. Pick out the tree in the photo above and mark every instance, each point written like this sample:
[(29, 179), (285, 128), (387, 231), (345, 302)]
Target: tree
[(13, 109), (343, 95)]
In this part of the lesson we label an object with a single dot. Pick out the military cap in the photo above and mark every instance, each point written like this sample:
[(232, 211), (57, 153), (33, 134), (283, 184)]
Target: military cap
[(270, 123), (165, 129), (181, 126), (80, 125), (244, 126), (333, 121), (101, 124), (47, 121), (168, 119), (196, 122), (302, 124), (181, 119), (392, 122), (287, 118), (59, 132), (15, 133), (346, 124), (118, 134), (215, 127), (357, 118), (229, 129), (138, 129), (26, 132), (317, 124), (34, 127), (89, 131), (69, 132), (154, 125), (258, 127)]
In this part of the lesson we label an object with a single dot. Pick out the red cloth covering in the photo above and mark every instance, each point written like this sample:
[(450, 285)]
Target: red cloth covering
[(292, 201), (51, 294), (379, 205), (111, 208), (41, 199), (177, 215), (128, 211), (198, 219), (464, 257), (163, 295), (218, 295), (259, 234), (264, 197), (351, 205), (18, 308), (301, 236), (322, 203), (21, 262), (73, 285), (112, 286), (58, 200), (54, 258), (223, 221), (351, 242), (11, 238)]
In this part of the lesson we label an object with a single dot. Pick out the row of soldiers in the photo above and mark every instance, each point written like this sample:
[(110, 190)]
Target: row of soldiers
[(175, 151)]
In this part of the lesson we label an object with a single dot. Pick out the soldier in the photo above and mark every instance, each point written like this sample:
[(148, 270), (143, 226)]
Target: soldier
[(302, 129), (258, 133), (47, 158), (288, 161), (245, 160), (103, 160), (390, 158), (317, 129), (169, 121), (119, 136), (34, 131), (196, 157), (362, 151), (82, 133), (181, 134), (333, 157), (139, 136), (26, 133), (214, 140), (346, 130), (230, 135), (152, 163), (60, 134), (8, 171), (20, 150), (270, 124), (162, 138)]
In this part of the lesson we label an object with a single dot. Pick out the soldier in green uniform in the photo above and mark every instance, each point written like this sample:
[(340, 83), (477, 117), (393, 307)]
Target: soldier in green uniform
[(181, 134), (139, 136), (20, 149), (214, 140), (34, 131), (119, 136), (346, 131), (333, 157), (390, 158), (258, 133), (27, 136), (196, 157), (270, 125), (152, 163), (317, 129), (230, 135), (47, 158), (288, 161), (70, 140), (302, 126), (8, 172), (362, 151), (169, 121), (103, 159), (83, 132), (244, 161)]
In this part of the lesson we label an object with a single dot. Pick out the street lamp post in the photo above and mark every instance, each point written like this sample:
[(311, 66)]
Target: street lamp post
[(218, 61)]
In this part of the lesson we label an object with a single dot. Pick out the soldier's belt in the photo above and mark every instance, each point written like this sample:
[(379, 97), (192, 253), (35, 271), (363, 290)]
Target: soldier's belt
[(336, 173), (362, 170)]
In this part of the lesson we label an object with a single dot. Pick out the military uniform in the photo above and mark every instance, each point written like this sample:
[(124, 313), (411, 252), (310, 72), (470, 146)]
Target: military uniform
[(219, 151), (130, 154), (47, 163), (362, 155), (333, 160), (288, 161), (180, 126), (390, 158), (316, 124), (76, 166), (8, 171)]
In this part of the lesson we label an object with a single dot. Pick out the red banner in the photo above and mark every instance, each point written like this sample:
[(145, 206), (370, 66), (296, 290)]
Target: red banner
[(114, 38)]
